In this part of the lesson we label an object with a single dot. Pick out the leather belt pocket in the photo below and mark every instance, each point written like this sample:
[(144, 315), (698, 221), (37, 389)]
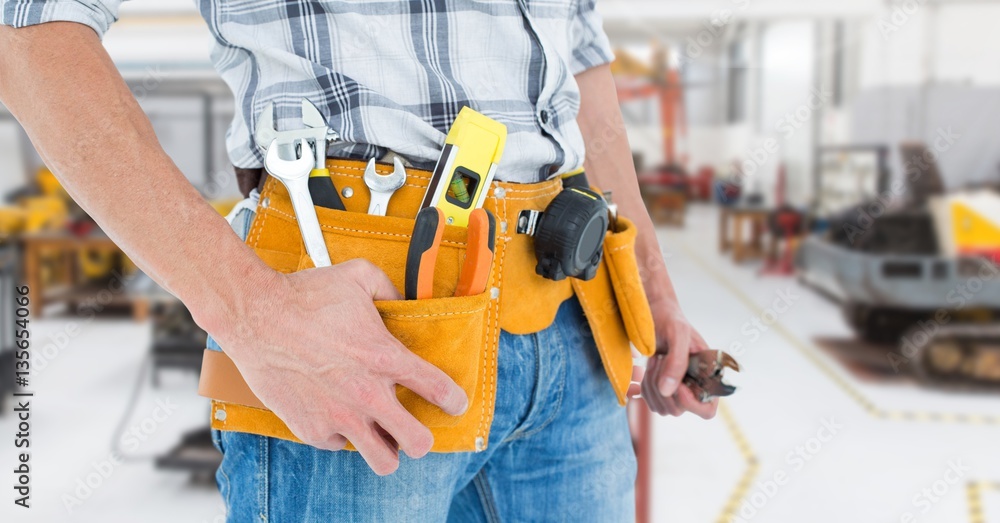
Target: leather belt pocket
[(616, 307), (456, 334), (626, 280)]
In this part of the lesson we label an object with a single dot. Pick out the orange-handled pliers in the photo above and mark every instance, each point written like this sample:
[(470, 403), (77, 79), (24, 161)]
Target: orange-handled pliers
[(478, 253), (425, 244)]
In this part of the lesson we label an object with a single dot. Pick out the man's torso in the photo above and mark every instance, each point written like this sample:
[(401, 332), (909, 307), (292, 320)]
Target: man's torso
[(393, 75)]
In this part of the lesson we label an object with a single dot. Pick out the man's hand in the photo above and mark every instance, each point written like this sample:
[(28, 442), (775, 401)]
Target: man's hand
[(609, 166), (313, 348), (662, 388)]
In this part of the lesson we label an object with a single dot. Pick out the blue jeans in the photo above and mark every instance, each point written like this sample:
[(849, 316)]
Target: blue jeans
[(559, 449)]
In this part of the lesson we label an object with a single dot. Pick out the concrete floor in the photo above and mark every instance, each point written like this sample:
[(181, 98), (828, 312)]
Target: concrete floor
[(804, 439), (875, 467)]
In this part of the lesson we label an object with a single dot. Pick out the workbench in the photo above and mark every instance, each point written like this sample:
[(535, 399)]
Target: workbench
[(744, 220), (68, 288)]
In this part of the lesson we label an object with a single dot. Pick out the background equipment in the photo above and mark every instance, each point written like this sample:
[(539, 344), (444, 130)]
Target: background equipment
[(883, 261)]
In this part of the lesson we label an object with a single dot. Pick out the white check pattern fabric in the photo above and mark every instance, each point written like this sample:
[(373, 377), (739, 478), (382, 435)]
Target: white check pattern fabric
[(393, 75)]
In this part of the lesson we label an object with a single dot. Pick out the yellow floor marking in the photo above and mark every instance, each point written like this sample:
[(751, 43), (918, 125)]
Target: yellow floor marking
[(973, 492), (732, 506), (812, 354)]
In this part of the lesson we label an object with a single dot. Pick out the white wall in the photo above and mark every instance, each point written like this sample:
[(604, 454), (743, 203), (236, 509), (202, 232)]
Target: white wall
[(944, 43), (929, 70), (891, 49)]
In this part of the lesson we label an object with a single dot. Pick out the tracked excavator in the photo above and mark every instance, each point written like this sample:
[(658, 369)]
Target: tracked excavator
[(919, 268)]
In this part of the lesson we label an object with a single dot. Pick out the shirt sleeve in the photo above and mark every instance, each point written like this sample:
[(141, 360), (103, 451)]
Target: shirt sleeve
[(96, 14), (589, 43)]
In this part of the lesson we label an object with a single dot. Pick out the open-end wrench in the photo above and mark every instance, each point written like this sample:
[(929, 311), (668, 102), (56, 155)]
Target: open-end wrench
[(383, 185), (294, 174)]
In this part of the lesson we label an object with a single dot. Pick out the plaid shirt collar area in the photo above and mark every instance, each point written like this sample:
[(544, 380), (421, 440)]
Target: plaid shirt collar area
[(392, 75)]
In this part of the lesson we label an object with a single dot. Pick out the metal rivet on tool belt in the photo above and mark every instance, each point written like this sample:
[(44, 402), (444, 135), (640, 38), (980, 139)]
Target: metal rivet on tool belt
[(480, 444), (265, 202), (499, 192), (495, 292), (220, 415), (450, 220), (347, 192), (503, 227)]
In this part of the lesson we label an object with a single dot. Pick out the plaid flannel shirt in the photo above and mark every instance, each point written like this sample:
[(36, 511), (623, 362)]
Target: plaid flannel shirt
[(392, 75)]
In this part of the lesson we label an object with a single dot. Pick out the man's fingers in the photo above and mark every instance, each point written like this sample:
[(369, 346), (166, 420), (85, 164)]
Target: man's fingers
[(372, 279), (670, 407), (650, 390), (675, 365), (412, 437), (334, 443), (634, 390), (429, 382), (685, 399), (634, 385), (651, 396), (380, 456)]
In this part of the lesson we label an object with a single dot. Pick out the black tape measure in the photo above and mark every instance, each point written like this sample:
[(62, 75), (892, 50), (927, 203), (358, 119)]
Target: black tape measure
[(569, 235)]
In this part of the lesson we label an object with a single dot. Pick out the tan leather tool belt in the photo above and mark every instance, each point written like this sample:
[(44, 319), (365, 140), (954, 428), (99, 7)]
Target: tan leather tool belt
[(517, 300)]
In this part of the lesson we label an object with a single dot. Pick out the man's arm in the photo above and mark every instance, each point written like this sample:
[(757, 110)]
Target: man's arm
[(311, 345), (609, 166)]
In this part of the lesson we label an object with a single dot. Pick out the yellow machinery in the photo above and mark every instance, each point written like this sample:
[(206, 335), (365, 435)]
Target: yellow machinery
[(46, 209)]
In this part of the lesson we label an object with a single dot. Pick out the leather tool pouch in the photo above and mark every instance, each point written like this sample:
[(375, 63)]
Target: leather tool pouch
[(453, 333), (460, 335)]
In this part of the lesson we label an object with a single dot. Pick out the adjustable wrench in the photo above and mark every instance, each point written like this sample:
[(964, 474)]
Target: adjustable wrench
[(383, 185), (294, 174), (324, 194)]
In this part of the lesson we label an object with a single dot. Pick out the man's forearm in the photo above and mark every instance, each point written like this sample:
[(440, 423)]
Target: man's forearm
[(63, 88), (609, 166)]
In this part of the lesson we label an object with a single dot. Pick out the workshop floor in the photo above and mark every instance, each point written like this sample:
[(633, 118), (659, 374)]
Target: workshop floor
[(806, 438)]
